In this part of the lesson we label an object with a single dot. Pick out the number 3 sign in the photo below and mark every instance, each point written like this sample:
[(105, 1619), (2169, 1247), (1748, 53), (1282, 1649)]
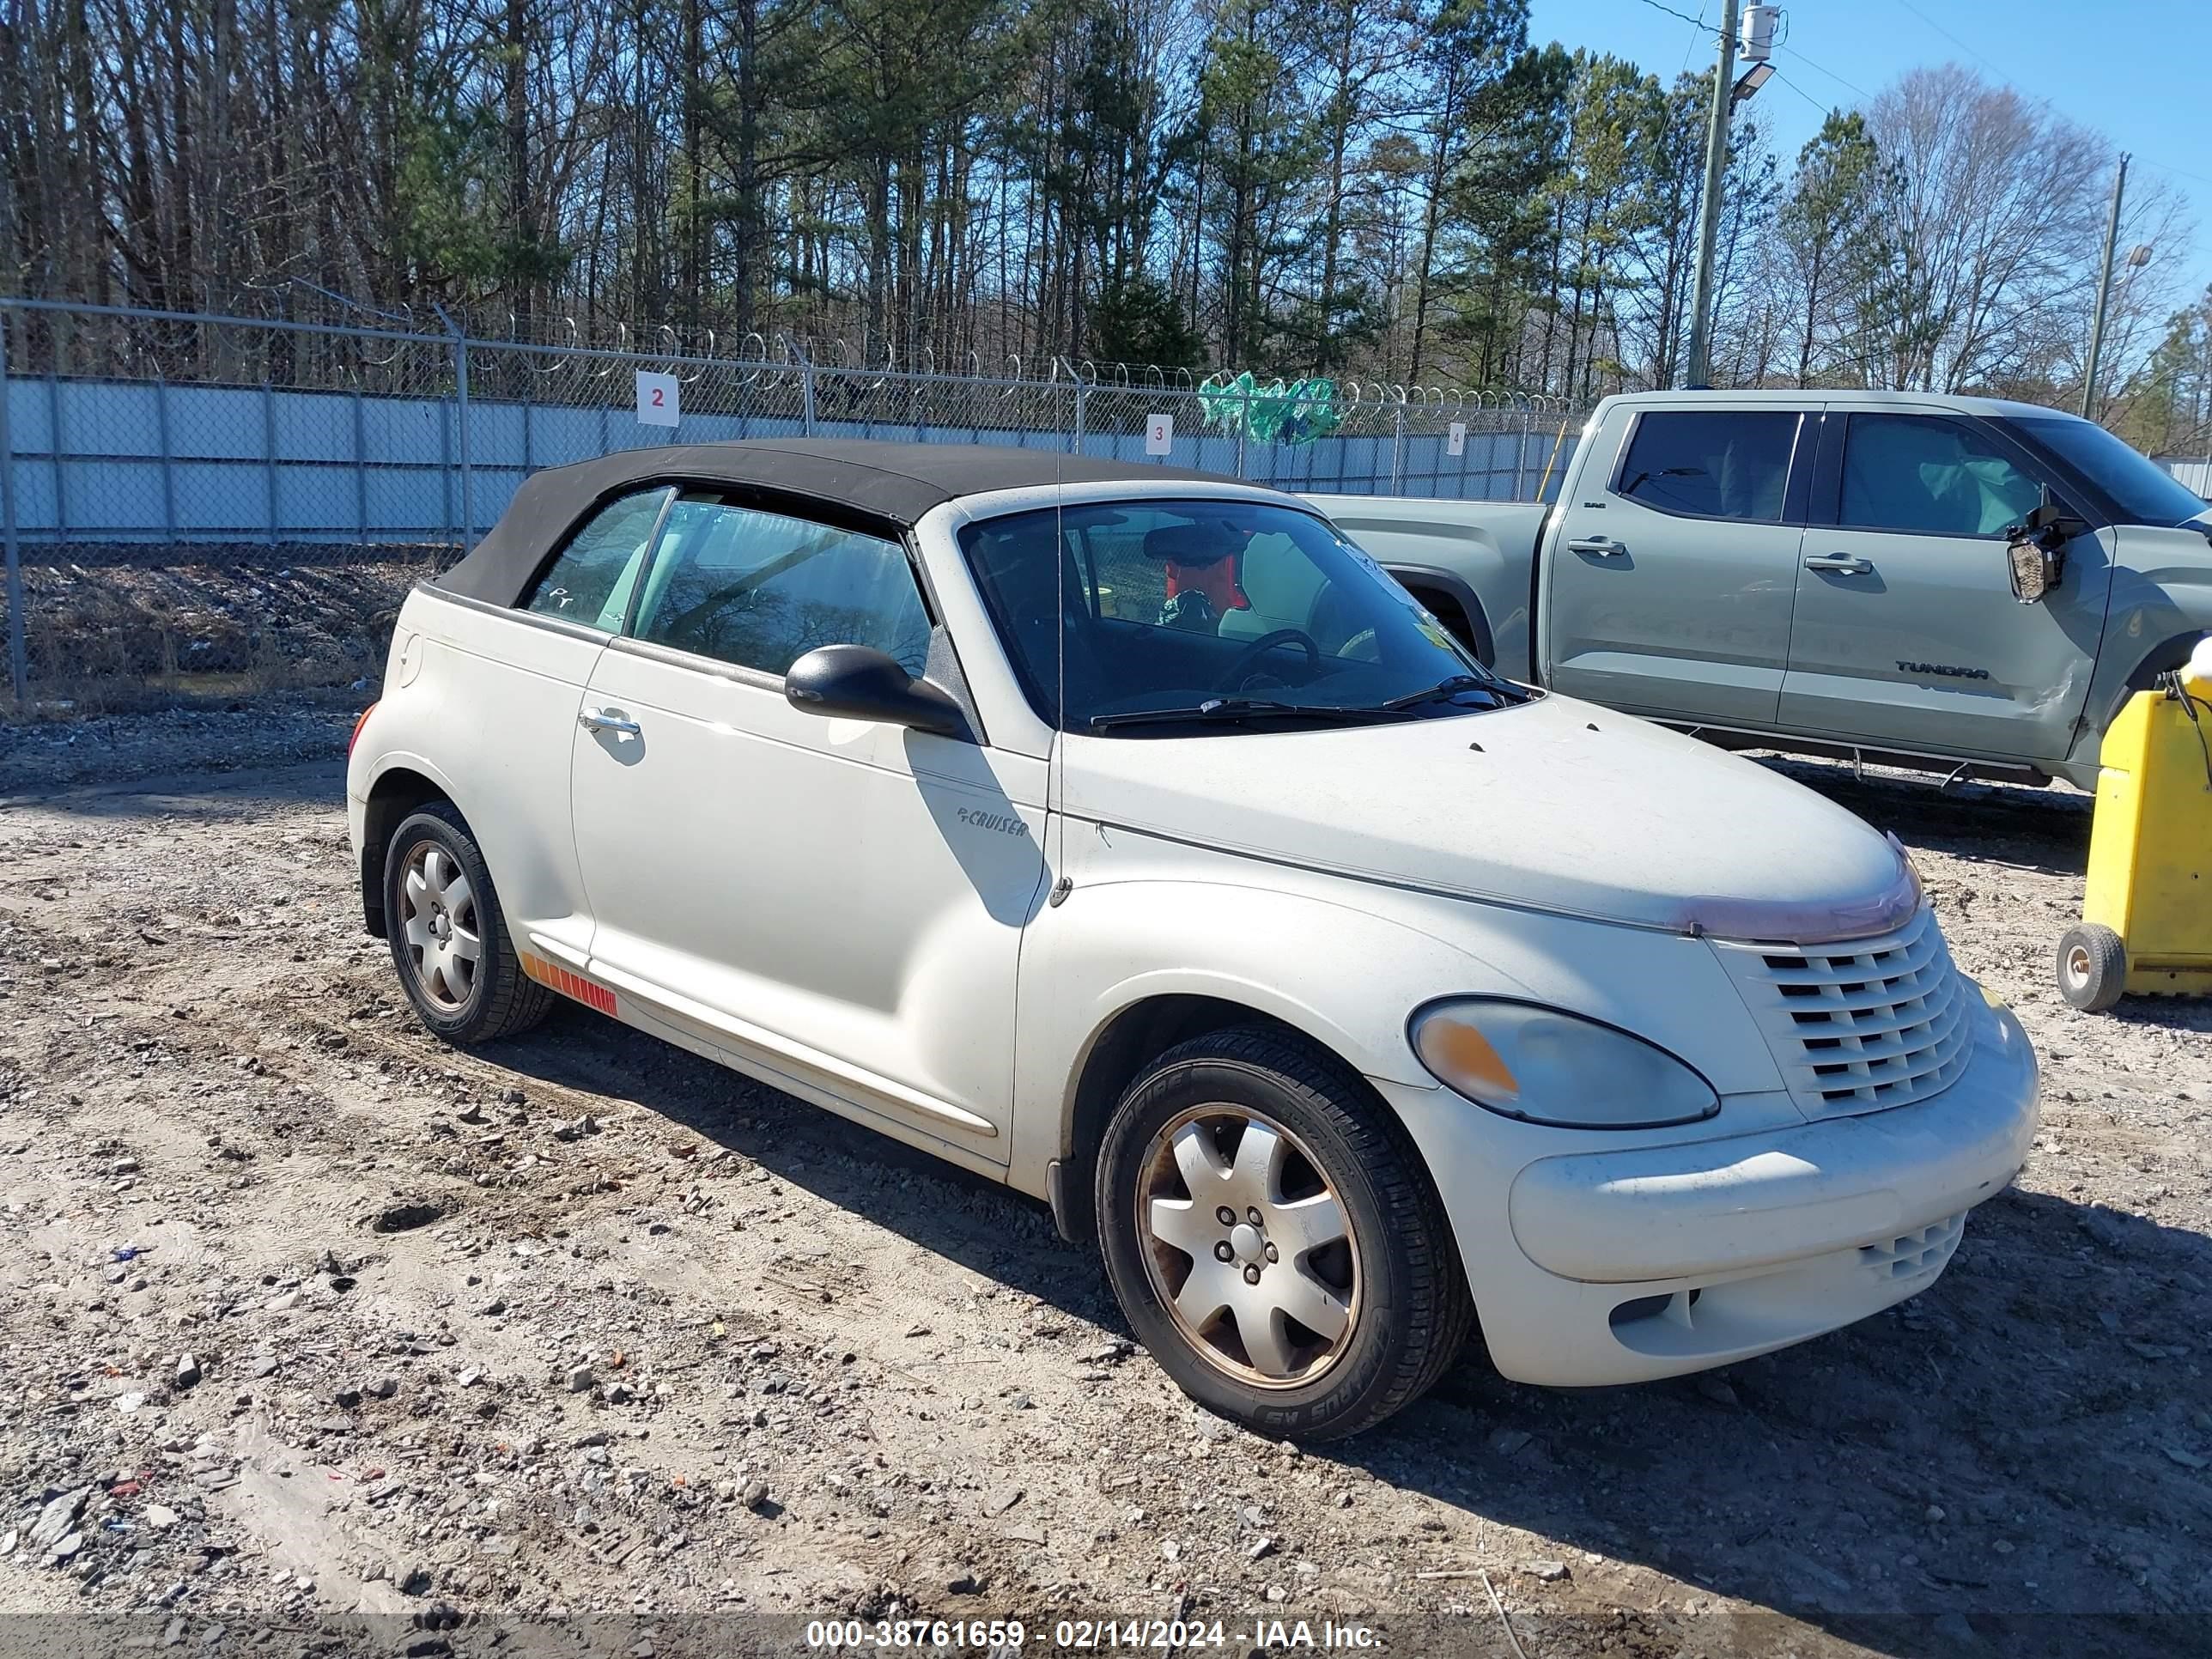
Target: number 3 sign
[(656, 400)]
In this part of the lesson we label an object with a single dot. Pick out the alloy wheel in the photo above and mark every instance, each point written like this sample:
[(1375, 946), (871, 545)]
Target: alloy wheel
[(1248, 1246), (445, 941)]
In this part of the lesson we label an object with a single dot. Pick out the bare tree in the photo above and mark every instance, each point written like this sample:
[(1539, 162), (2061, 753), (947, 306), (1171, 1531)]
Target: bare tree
[(1363, 187), (1991, 203)]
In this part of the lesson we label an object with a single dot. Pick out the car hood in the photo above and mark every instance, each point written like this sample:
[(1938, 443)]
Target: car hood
[(1556, 805)]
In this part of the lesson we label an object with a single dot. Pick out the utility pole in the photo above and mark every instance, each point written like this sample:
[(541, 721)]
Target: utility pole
[(1709, 205), (2104, 293)]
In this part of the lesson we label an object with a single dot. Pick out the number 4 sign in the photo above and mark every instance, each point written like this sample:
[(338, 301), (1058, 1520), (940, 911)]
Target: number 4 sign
[(656, 400), (1456, 442)]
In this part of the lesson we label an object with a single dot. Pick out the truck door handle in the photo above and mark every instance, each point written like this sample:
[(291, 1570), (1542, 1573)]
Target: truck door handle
[(1604, 546), (1840, 564), (608, 720)]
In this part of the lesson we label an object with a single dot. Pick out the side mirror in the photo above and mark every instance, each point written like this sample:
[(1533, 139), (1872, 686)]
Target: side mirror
[(2036, 549), (857, 682)]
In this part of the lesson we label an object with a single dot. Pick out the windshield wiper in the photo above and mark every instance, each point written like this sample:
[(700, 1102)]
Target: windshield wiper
[(1504, 691), (1229, 710)]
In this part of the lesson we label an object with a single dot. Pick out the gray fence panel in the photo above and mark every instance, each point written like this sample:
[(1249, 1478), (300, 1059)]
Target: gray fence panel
[(2190, 475), (560, 436), (405, 431), (496, 435), (216, 482), (314, 503), (314, 426), (113, 498), (207, 497), (30, 423), (99, 419), (214, 423), (406, 503), (142, 426)]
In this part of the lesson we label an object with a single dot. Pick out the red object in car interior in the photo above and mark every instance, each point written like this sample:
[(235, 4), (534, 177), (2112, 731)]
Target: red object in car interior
[(1221, 581)]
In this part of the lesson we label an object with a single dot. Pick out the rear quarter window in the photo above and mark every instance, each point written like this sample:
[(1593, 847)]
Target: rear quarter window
[(590, 580)]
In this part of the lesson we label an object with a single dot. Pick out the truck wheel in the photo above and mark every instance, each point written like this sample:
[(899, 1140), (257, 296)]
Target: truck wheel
[(1273, 1239), (448, 936), (2092, 967)]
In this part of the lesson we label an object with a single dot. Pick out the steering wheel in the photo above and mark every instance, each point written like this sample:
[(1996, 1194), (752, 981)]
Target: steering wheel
[(1232, 677)]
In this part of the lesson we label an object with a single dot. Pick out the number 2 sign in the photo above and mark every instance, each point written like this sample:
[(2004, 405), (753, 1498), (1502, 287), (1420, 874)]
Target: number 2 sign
[(656, 400)]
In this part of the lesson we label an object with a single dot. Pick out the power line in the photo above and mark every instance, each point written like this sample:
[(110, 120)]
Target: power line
[(2179, 173), (1824, 109), (2163, 166), (1823, 69), (1695, 34), (1699, 22), (1954, 41)]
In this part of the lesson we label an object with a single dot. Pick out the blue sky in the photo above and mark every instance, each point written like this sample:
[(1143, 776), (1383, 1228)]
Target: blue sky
[(2134, 69)]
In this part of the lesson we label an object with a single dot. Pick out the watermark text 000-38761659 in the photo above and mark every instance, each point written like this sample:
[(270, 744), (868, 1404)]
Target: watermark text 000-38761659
[(1097, 1634)]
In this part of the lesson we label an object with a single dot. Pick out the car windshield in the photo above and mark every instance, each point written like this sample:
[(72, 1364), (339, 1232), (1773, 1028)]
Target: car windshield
[(2144, 492), (1209, 615)]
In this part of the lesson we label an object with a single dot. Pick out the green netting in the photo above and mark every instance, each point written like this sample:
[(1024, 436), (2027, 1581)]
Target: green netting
[(1294, 413)]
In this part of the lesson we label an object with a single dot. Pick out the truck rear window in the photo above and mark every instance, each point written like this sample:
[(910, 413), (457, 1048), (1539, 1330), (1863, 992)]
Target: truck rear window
[(1711, 463)]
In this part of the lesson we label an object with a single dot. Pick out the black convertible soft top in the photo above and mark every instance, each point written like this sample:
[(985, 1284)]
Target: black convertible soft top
[(892, 482)]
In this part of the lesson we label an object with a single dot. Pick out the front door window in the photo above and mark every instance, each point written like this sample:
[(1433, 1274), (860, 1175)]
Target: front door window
[(759, 590), (1927, 476)]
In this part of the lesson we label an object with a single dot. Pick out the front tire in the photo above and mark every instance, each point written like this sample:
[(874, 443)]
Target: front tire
[(448, 936), (1273, 1239)]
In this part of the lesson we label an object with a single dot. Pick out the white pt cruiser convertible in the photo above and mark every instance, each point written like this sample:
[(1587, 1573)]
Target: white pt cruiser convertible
[(1127, 836)]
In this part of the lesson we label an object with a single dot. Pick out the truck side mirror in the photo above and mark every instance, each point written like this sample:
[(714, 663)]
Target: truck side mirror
[(2035, 549)]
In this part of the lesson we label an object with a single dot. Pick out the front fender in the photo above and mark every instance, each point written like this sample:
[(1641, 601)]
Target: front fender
[(1345, 962), (1113, 945), (2161, 606)]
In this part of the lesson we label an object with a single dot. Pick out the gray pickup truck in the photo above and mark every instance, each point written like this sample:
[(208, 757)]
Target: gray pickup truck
[(1955, 583)]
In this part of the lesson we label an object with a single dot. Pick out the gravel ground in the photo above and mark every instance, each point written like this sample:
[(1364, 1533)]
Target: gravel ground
[(313, 1324)]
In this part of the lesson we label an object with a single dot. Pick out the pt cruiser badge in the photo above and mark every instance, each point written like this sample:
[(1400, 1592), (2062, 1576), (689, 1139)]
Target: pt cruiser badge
[(1005, 822)]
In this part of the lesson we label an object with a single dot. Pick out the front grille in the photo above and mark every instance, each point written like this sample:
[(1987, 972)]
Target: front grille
[(1859, 1026), (1923, 1251)]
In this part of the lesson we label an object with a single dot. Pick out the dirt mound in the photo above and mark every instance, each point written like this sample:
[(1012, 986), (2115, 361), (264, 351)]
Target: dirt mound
[(122, 626)]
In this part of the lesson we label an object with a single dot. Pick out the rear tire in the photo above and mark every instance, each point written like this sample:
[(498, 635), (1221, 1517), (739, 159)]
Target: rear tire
[(2092, 967), (1342, 1302), (448, 935)]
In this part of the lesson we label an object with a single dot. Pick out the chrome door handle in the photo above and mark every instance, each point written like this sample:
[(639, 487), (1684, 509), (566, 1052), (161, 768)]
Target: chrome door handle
[(607, 720), (1840, 564), (1604, 546)]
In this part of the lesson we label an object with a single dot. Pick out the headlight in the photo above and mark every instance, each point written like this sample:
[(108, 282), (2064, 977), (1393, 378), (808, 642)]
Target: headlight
[(1546, 1066)]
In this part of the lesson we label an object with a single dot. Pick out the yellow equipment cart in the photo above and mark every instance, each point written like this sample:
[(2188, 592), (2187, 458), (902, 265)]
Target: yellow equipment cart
[(2146, 924)]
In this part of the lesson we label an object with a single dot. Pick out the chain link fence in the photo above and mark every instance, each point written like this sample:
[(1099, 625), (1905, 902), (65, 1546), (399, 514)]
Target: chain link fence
[(123, 425)]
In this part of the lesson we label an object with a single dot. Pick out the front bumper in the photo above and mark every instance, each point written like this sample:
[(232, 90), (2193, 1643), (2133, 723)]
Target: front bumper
[(1620, 1265)]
